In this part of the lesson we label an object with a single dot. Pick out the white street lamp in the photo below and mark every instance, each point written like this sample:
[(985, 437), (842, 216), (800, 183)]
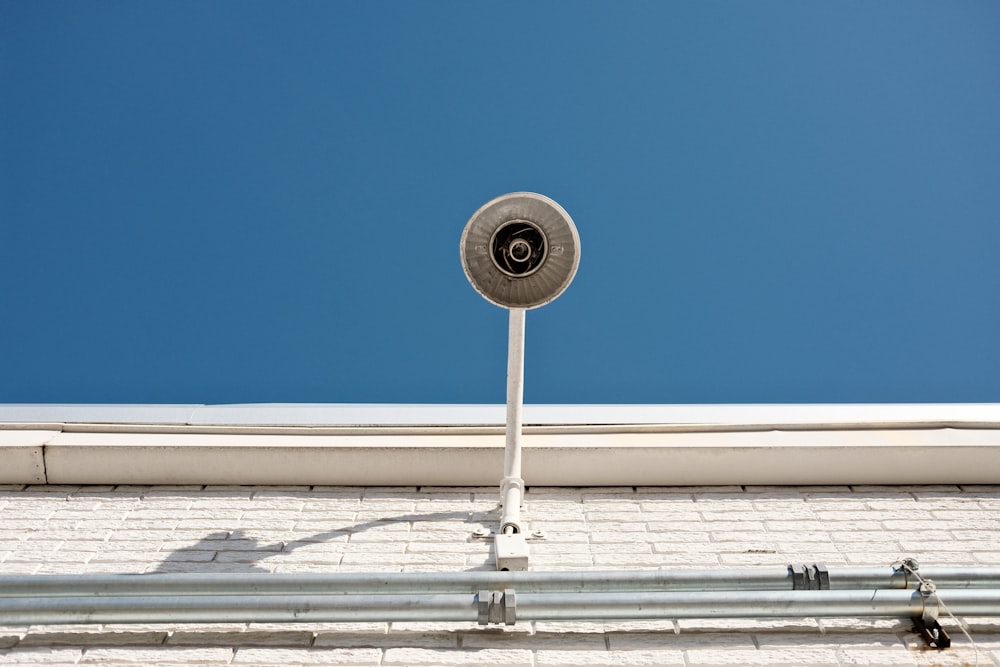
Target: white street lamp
[(519, 251)]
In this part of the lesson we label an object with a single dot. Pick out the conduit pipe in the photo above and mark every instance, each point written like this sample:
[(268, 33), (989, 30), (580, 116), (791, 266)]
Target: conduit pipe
[(482, 607), (589, 581)]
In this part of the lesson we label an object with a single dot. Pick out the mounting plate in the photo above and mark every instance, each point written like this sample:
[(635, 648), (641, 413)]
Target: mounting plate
[(511, 552)]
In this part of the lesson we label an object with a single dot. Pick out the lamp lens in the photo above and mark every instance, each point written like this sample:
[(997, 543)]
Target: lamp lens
[(518, 248)]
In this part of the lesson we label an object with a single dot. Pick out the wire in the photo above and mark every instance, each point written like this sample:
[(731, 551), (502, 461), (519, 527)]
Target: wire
[(911, 566)]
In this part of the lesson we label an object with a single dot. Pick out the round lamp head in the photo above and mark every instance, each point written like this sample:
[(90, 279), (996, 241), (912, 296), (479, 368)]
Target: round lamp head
[(520, 250)]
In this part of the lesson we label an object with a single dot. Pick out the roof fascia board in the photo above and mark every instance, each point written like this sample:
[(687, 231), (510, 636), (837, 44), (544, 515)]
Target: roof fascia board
[(916, 456), (22, 454)]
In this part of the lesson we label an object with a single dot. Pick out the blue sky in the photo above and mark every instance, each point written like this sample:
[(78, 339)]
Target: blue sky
[(262, 202)]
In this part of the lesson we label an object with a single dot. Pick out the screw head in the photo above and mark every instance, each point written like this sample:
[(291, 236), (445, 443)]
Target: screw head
[(481, 532)]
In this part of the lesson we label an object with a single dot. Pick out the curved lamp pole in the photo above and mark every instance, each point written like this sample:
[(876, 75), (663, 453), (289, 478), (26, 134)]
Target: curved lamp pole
[(520, 251)]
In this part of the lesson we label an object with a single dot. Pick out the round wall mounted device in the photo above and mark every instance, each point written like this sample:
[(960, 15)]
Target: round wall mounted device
[(520, 250)]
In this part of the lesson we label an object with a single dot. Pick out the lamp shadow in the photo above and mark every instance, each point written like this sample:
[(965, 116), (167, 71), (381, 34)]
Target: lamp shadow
[(243, 553)]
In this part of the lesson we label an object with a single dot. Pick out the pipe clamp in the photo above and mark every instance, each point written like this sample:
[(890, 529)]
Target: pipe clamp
[(814, 577), (497, 607)]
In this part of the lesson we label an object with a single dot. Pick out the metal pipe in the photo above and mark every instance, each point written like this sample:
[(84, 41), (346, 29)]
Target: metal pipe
[(540, 606), (238, 608), (886, 577), (749, 604), (512, 484), (588, 581)]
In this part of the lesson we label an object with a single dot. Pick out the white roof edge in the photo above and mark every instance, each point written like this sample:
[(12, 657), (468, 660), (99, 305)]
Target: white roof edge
[(874, 456), (428, 415), (462, 445)]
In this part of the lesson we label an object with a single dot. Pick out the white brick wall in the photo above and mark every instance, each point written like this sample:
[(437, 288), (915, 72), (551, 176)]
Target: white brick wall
[(58, 529)]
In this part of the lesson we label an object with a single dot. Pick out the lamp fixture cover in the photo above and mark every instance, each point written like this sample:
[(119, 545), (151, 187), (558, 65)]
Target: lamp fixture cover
[(520, 250)]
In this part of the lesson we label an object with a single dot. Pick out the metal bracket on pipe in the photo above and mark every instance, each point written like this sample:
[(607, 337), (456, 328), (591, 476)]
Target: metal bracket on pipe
[(932, 604), (509, 606), (483, 602), (933, 634), (497, 607), (927, 625), (810, 577), (906, 567)]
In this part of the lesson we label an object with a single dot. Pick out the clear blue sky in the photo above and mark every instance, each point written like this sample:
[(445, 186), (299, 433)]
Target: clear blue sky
[(262, 202)]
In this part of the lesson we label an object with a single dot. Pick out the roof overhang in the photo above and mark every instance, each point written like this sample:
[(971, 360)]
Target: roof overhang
[(462, 445)]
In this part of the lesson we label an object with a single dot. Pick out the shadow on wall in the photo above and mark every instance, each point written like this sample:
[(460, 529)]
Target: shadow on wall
[(235, 551)]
